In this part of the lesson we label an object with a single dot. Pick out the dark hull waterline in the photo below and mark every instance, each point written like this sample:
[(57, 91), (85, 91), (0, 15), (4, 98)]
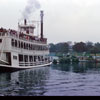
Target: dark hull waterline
[(4, 68)]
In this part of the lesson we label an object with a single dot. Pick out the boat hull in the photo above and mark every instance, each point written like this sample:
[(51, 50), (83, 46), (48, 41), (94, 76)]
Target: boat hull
[(6, 68)]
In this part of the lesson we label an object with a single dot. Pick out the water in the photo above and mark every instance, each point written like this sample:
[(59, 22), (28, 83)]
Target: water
[(81, 79)]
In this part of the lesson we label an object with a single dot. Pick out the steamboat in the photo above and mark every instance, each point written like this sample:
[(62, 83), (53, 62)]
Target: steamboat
[(21, 49)]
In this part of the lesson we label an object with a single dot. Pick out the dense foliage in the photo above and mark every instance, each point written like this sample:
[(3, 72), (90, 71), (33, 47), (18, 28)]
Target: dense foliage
[(78, 47), (59, 48)]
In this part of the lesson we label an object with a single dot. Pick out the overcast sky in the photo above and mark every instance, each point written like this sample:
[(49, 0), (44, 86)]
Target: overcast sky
[(64, 20)]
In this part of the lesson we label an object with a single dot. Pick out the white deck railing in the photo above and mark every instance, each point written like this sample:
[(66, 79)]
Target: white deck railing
[(32, 63)]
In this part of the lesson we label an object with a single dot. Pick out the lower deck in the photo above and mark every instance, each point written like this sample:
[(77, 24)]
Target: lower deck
[(23, 60)]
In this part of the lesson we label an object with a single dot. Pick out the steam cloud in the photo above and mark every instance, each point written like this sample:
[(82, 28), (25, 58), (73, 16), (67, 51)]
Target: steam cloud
[(32, 5)]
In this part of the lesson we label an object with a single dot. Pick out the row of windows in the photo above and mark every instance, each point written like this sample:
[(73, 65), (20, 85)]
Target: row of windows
[(27, 58), (2, 34), (27, 46)]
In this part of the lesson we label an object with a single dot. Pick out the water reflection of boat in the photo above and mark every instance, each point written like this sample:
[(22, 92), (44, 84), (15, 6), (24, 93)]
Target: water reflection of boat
[(24, 82), (30, 75)]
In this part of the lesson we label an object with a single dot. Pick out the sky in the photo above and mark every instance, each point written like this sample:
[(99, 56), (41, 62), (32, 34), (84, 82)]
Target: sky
[(64, 20)]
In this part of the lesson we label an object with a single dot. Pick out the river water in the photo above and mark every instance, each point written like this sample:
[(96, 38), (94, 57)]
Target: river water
[(82, 79)]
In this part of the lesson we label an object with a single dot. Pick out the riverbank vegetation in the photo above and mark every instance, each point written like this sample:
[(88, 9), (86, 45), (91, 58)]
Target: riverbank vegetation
[(75, 52), (77, 47)]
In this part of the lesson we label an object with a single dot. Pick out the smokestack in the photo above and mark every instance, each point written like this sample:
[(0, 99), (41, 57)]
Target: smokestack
[(41, 15), (25, 22)]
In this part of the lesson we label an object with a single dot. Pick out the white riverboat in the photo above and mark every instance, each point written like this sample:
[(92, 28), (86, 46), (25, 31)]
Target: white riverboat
[(21, 49)]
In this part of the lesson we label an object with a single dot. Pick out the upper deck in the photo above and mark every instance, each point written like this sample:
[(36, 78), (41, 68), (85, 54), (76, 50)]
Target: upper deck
[(22, 36), (11, 40)]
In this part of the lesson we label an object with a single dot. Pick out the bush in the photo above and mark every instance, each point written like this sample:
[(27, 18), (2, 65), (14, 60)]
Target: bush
[(54, 61), (64, 60)]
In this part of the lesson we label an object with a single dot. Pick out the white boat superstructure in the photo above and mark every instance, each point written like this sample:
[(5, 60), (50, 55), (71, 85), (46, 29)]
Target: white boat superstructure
[(22, 49)]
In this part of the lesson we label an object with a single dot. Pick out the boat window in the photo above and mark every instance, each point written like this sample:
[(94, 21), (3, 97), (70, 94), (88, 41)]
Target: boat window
[(0, 40), (20, 58), (25, 58), (21, 44), (40, 47), (12, 42), (15, 43), (35, 58), (15, 57), (27, 46), (39, 58), (37, 47), (3, 34), (31, 58), (24, 46), (33, 47)]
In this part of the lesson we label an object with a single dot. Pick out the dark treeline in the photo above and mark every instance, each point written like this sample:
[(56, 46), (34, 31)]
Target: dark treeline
[(78, 47), (60, 47)]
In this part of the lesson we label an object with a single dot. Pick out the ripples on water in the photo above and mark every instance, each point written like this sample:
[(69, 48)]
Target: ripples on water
[(81, 79)]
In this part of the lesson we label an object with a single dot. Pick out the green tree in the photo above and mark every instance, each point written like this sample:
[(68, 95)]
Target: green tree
[(89, 46), (95, 50), (52, 47), (97, 45), (62, 48), (80, 47)]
